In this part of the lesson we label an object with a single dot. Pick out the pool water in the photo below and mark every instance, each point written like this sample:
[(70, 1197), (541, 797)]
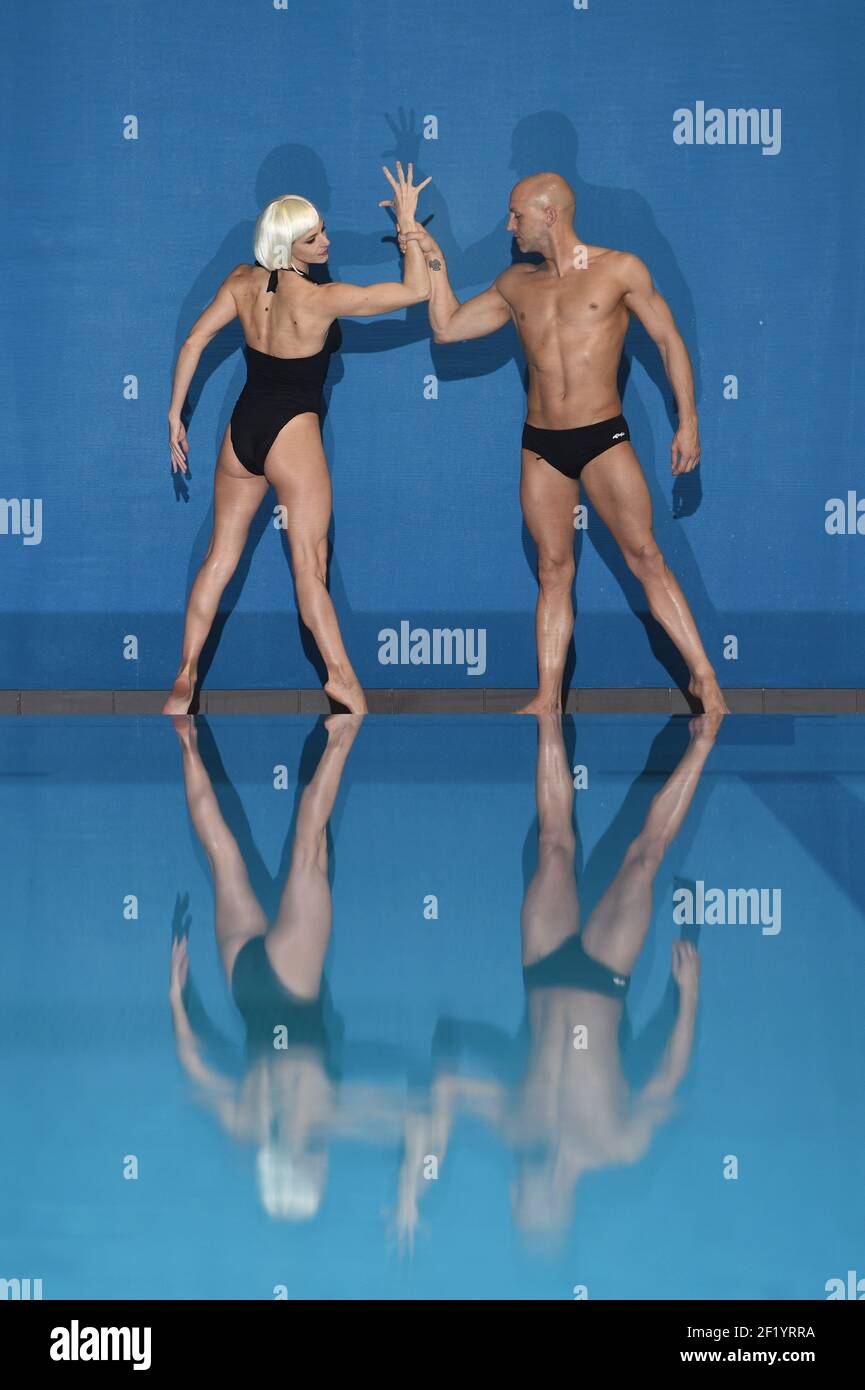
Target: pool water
[(432, 1130)]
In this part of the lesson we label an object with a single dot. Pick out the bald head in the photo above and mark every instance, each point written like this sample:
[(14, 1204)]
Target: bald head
[(546, 191), (541, 213)]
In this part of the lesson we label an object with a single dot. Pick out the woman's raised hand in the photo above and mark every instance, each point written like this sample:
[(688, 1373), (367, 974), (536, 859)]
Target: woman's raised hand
[(179, 973), (404, 201)]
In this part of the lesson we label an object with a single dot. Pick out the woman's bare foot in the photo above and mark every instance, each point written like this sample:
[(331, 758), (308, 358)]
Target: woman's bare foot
[(180, 698), (184, 727), (705, 688), (541, 706), (347, 693)]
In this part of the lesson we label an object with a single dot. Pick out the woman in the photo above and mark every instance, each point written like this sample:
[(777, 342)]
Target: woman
[(290, 1101), (274, 435)]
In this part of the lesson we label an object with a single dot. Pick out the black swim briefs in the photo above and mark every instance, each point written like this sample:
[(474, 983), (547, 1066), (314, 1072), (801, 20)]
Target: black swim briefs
[(570, 450), (569, 966)]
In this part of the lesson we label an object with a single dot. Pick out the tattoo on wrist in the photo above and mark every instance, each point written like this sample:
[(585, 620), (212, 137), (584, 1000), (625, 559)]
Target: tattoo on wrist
[(434, 264)]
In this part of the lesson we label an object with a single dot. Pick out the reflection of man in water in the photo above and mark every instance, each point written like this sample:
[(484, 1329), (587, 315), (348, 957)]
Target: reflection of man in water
[(573, 1109)]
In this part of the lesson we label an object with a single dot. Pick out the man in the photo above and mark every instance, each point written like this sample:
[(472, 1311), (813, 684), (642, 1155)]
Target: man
[(571, 314), (570, 1104)]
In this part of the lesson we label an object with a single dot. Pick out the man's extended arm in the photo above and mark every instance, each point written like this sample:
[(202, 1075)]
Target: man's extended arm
[(677, 1054), (443, 303), (652, 1105), (654, 314), (451, 321)]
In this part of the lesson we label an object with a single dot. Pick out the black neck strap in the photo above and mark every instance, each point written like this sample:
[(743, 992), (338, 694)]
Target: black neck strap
[(273, 281)]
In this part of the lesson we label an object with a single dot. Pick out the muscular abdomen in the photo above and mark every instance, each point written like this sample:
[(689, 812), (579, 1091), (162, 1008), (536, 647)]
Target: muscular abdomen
[(573, 370)]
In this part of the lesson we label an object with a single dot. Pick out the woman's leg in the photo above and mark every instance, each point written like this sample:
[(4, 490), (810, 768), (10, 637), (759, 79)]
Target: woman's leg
[(298, 940), (237, 495), (297, 468), (238, 915)]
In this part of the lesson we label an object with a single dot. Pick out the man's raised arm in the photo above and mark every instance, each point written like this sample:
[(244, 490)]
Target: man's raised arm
[(451, 321)]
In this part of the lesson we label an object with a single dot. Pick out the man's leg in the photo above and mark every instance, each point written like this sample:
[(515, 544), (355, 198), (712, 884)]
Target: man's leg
[(551, 905), (617, 490), (616, 929), (548, 500)]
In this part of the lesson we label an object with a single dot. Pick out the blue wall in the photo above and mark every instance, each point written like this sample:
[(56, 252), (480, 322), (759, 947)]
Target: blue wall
[(113, 246)]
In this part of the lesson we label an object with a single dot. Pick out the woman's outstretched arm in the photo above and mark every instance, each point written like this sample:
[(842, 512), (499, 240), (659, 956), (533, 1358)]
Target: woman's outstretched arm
[(221, 310), (217, 1087), (357, 301)]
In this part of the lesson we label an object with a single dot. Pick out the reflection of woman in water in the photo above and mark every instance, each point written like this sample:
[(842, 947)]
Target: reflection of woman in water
[(288, 1102), (573, 1109)]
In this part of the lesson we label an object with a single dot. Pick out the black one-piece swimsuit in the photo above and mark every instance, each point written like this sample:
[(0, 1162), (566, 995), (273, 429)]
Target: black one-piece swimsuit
[(277, 389)]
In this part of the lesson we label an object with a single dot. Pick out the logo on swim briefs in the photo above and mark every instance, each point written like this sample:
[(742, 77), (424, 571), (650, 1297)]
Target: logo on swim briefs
[(728, 907), (735, 126), (620, 435), (21, 516), (438, 646)]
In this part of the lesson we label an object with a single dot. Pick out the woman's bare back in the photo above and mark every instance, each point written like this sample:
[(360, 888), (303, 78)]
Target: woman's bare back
[(290, 322)]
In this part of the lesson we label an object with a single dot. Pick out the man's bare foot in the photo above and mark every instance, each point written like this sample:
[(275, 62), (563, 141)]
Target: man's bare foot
[(342, 728), (705, 726), (541, 705), (180, 698), (705, 688), (335, 722), (348, 693)]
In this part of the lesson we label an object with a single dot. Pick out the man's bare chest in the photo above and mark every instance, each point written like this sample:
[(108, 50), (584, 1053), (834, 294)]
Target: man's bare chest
[(544, 310)]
